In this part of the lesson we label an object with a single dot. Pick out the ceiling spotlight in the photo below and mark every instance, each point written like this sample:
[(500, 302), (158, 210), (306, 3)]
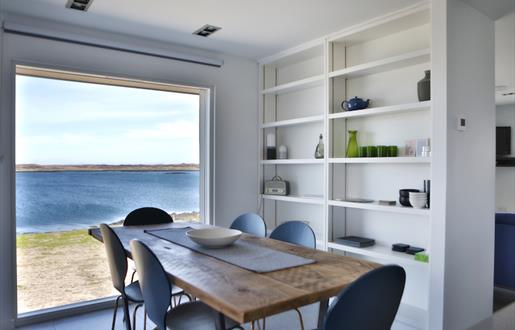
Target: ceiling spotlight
[(206, 30), (82, 5)]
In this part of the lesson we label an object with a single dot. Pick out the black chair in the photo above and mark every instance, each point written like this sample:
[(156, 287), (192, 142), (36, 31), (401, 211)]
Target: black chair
[(156, 289), (370, 302), (147, 216), (250, 223), (117, 260), (152, 216)]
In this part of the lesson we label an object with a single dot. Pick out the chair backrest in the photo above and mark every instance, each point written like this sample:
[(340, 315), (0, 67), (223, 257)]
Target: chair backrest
[(116, 257), (370, 302), (295, 232), (147, 216), (154, 283), (250, 223)]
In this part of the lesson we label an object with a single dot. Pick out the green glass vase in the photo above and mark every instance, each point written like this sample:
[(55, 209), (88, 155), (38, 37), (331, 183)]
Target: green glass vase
[(352, 146)]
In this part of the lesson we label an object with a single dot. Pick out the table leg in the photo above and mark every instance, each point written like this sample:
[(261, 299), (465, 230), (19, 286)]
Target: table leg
[(220, 321), (322, 310)]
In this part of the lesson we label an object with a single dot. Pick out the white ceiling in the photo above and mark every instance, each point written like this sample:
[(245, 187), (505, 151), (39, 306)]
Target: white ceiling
[(252, 29), (493, 8)]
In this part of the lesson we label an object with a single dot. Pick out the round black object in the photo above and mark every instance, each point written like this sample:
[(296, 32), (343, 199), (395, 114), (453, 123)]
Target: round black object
[(405, 192), (404, 201)]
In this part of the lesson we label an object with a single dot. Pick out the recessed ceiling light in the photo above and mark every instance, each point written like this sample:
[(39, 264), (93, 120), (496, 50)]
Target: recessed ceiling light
[(82, 5), (206, 30)]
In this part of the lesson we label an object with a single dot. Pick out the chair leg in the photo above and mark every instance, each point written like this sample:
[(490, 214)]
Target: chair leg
[(127, 315), (132, 276), (115, 310), (300, 319), (144, 318), (134, 315)]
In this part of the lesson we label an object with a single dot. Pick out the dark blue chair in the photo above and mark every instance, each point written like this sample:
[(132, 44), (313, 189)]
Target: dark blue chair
[(250, 223), (147, 216), (117, 260), (370, 302), (156, 288), (504, 261), (295, 232), (298, 233)]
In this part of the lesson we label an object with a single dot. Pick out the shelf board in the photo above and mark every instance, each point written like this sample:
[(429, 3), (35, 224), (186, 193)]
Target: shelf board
[(381, 160), (292, 161), (386, 64), (382, 208), (295, 85), (296, 121), (408, 107), (380, 252), (295, 199)]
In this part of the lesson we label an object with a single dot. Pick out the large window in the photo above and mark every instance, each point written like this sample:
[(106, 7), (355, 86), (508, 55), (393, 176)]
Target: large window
[(88, 151)]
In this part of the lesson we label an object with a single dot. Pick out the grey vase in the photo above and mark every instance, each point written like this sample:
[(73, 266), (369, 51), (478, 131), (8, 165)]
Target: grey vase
[(424, 87)]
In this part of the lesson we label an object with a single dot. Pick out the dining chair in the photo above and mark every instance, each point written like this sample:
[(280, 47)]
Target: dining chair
[(117, 260), (295, 232), (370, 302), (298, 233), (156, 288), (250, 223), (150, 216), (147, 216)]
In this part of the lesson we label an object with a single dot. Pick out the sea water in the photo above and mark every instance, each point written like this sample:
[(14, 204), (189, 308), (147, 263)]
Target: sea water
[(57, 201)]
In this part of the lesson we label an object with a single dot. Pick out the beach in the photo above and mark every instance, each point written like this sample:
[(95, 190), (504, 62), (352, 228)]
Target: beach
[(60, 268)]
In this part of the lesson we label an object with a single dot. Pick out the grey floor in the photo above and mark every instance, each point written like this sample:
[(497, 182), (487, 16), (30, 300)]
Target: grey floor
[(102, 320)]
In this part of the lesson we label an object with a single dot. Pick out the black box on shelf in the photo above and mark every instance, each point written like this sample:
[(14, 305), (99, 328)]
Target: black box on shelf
[(400, 247), (414, 250), (355, 241)]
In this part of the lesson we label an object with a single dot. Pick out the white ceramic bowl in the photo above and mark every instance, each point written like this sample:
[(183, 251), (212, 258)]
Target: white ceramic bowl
[(417, 195), (214, 237), (418, 203)]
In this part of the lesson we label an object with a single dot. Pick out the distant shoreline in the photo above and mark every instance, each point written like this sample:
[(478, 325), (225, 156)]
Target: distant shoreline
[(102, 167)]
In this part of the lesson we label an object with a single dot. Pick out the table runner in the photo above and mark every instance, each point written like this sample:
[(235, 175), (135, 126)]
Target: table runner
[(242, 253)]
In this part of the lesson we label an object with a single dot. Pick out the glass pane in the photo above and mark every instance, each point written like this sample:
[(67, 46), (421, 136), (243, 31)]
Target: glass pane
[(88, 154)]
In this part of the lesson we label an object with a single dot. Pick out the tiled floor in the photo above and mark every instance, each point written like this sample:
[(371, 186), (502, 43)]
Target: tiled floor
[(102, 320)]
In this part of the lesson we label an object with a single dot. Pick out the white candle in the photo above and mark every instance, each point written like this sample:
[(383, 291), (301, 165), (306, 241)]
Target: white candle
[(270, 140)]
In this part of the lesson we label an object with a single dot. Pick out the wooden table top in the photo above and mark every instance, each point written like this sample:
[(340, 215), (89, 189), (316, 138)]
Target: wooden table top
[(241, 294)]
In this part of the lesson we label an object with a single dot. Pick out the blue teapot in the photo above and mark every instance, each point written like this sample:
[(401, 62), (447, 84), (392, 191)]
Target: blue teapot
[(355, 103)]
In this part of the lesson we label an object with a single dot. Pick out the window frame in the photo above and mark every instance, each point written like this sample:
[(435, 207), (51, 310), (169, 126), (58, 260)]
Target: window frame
[(206, 164)]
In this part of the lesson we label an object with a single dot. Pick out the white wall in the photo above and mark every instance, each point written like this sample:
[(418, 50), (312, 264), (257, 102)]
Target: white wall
[(470, 170), (505, 176), (235, 125)]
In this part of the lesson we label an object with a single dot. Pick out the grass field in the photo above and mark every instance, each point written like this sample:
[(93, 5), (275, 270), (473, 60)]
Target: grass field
[(61, 268)]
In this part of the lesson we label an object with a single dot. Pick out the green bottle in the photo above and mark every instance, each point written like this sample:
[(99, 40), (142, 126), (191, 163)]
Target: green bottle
[(352, 147)]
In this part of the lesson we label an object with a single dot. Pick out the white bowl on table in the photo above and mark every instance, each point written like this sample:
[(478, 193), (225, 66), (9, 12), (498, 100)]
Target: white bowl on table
[(214, 237)]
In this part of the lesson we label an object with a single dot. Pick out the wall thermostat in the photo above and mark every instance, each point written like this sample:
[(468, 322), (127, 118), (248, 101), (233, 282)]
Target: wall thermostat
[(461, 124)]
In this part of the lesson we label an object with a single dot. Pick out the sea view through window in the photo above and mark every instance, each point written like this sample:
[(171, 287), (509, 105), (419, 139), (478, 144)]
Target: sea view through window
[(89, 153)]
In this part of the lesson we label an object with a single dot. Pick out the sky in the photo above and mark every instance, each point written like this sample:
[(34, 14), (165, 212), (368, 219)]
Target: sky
[(63, 122)]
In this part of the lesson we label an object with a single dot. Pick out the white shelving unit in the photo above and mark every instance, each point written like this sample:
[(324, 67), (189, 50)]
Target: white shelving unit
[(381, 160), (295, 85), (295, 199), (292, 122), (300, 96), (380, 208), (292, 161), (380, 252), (386, 64), (400, 108)]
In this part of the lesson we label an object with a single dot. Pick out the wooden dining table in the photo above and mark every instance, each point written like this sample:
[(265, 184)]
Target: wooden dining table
[(244, 295)]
